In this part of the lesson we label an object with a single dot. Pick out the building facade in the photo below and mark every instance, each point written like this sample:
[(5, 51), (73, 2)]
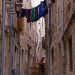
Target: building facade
[(11, 41), (40, 29), (27, 43), (61, 46), (0, 32), (68, 37)]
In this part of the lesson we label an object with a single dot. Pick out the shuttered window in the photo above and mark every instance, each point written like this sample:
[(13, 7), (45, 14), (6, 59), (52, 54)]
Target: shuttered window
[(70, 54)]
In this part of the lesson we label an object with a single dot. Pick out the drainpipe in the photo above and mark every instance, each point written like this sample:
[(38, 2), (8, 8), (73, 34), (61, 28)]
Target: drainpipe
[(3, 34), (62, 16), (62, 31), (11, 38), (49, 37)]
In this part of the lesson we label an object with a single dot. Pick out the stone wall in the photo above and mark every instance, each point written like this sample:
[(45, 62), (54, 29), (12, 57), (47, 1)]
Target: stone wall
[(62, 26)]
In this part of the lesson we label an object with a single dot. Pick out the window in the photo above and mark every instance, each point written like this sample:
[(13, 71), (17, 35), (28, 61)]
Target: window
[(68, 7), (70, 54), (15, 49), (16, 55), (73, 1), (52, 56), (22, 52), (52, 1), (5, 61), (0, 19)]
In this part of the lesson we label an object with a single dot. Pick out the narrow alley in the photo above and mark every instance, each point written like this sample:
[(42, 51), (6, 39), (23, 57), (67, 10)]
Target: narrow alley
[(37, 37)]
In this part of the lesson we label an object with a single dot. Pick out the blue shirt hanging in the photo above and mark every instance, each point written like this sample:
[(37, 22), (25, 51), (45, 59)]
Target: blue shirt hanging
[(40, 10)]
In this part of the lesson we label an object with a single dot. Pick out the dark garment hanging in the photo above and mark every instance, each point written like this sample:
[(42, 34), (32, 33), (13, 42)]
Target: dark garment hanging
[(23, 12), (17, 14), (52, 1), (36, 14), (45, 10), (28, 15)]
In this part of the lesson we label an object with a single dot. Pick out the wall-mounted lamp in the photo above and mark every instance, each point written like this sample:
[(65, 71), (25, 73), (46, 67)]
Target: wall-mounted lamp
[(18, 7)]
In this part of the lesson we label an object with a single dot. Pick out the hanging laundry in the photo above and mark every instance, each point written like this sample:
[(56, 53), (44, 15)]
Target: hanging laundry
[(45, 3), (45, 10), (52, 1), (36, 14), (40, 9), (23, 13), (28, 15), (19, 13), (20, 24), (32, 15)]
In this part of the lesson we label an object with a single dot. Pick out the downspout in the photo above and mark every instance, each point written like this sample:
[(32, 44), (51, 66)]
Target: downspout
[(62, 24), (62, 32), (11, 38), (49, 36), (3, 33)]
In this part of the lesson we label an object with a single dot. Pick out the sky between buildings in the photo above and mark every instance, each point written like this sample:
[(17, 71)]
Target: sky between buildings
[(35, 2), (41, 20)]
